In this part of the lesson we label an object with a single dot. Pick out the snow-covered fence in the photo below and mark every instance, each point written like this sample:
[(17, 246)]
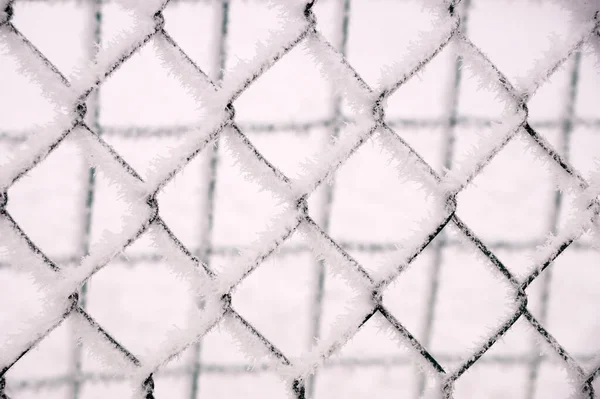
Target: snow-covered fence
[(76, 101)]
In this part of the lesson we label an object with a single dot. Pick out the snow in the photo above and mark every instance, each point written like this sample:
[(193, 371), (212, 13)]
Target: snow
[(266, 54), (101, 156), (409, 164), (254, 167), (185, 267), (264, 246), (488, 76), (195, 82), (424, 48), (16, 249), (403, 339), (47, 319), (31, 152), (256, 350), (344, 79), (164, 168), (113, 53), (105, 352), (321, 166), (399, 260), (482, 152), (341, 331), (581, 10), (37, 69), (340, 262), (554, 57), (364, 276)]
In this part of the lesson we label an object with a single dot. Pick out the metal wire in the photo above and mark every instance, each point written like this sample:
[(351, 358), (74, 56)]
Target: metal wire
[(422, 126), (565, 136), (219, 288), (37, 384), (449, 142)]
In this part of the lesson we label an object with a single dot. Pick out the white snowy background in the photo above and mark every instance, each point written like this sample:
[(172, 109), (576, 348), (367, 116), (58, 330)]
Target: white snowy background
[(139, 299)]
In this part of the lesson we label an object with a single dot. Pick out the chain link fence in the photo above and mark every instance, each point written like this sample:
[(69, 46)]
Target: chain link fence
[(77, 115)]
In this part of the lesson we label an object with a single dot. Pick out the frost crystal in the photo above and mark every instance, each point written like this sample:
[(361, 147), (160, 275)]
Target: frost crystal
[(61, 282)]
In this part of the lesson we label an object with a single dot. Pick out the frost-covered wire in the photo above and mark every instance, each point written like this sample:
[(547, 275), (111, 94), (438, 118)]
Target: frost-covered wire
[(217, 95)]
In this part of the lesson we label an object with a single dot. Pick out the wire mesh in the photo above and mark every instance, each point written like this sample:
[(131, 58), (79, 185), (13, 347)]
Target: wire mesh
[(83, 120)]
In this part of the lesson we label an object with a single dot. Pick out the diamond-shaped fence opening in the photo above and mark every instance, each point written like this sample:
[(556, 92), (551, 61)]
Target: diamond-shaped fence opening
[(131, 189)]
